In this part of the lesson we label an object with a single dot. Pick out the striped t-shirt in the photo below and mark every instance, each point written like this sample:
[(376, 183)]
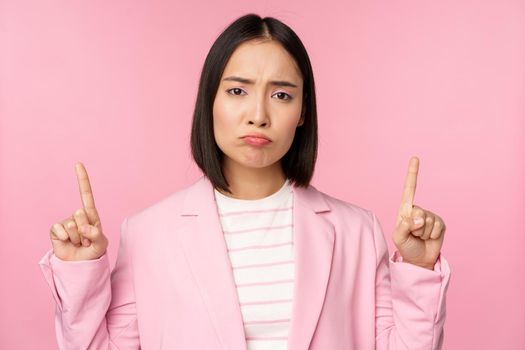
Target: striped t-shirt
[(259, 237)]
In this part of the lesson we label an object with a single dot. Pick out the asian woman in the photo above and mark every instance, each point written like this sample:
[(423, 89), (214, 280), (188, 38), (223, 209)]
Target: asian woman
[(251, 255)]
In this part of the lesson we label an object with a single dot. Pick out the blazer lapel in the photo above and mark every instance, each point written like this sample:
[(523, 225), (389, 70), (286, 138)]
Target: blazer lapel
[(313, 248), (206, 251), (207, 255)]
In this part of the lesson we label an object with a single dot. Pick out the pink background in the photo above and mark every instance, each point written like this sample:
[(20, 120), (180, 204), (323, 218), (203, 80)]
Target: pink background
[(113, 84)]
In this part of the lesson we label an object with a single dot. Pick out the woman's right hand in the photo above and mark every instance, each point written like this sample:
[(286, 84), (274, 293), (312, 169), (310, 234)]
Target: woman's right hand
[(79, 236)]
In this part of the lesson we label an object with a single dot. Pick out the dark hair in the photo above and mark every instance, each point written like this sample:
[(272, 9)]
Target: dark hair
[(299, 162)]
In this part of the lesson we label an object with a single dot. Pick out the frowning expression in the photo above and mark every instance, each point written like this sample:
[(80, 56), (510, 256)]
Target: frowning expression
[(260, 93)]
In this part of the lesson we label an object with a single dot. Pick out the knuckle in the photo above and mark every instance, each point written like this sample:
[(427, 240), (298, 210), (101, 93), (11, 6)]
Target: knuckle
[(418, 211)]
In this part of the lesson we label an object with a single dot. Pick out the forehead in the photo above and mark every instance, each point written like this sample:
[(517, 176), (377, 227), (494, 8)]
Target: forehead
[(262, 60)]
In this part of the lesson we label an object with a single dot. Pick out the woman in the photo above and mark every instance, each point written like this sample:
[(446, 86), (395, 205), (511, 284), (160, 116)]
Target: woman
[(251, 255)]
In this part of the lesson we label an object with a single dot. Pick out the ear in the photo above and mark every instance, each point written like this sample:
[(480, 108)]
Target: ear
[(303, 112), (301, 121)]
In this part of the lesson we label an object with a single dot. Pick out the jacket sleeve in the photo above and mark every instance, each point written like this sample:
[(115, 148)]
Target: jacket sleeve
[(95, 308), (410, 300)]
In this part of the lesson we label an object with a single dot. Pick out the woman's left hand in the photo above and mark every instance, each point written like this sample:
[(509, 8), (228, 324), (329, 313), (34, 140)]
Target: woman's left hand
[(418, 242)]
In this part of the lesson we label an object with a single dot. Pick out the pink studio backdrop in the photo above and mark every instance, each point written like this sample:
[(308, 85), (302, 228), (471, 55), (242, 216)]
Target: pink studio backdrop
[(113, 84)]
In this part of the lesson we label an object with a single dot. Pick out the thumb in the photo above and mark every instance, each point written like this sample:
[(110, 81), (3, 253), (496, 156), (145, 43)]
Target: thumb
[(91, 232), (403, 229)]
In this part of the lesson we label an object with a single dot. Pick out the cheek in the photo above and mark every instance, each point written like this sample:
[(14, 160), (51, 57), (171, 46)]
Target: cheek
[(224, 112), (289, 124), (291, 132), (223, 122)]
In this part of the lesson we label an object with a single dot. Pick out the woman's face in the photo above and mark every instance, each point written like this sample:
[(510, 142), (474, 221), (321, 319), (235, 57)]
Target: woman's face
[(260, 92)]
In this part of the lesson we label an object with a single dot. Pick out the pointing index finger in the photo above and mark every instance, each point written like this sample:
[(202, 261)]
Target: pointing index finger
[(409, 190), (86, 193)]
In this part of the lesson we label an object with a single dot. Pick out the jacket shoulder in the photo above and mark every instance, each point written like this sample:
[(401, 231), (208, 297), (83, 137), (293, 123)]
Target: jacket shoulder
[(170, 203), (347, 209)]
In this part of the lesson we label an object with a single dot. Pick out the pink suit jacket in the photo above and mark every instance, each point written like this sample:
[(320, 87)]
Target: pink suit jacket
[(172, 286)]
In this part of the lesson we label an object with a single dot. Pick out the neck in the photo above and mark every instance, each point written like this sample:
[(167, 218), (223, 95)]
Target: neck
[(253, 183)]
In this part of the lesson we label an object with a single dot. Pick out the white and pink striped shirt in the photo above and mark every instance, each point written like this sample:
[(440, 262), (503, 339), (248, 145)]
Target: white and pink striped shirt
[(259, 237)]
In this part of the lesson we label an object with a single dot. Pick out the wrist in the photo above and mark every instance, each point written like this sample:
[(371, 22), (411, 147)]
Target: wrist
[(397, 257), (429, 267)]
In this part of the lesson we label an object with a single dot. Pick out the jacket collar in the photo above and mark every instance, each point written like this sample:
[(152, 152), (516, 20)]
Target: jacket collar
[(206, 252), (202, 190)]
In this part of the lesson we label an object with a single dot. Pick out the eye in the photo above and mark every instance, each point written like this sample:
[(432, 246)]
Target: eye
[(288, 97), (234, 89), (237, 92)]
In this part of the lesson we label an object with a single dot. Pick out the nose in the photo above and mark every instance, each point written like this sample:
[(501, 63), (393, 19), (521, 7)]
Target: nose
[(259, 115)]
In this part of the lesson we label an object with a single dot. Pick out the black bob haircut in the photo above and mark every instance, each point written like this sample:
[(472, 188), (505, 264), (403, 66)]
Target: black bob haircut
[(299, 162)]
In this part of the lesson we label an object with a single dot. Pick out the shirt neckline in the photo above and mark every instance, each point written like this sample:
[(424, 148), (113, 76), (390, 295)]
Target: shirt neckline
[(285, 188)]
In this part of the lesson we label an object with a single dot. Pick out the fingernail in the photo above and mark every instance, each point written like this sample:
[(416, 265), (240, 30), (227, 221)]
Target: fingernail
[(418, 220)]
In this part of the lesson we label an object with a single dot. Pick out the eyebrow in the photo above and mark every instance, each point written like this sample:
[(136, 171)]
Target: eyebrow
[(273, 82)]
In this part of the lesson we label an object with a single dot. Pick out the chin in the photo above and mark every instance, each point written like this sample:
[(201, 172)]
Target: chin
[(251, 161)]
